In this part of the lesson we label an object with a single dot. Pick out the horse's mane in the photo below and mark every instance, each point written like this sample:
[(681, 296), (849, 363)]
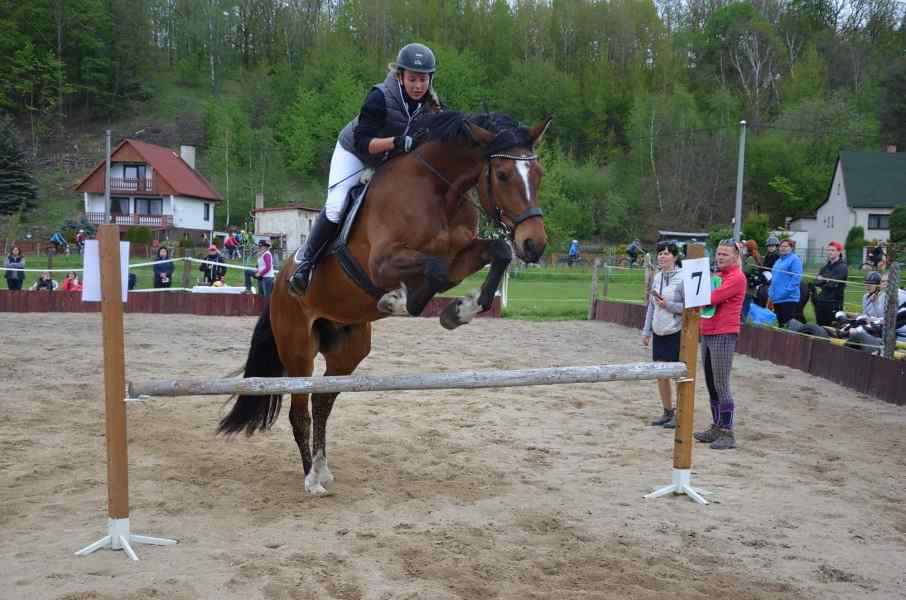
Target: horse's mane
[(451, 126)]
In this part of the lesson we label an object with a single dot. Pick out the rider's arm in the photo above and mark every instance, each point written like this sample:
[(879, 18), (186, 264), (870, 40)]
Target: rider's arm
[(371, 121)]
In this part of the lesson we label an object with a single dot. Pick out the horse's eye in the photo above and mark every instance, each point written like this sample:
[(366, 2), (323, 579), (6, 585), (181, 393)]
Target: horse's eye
[(502, 176)]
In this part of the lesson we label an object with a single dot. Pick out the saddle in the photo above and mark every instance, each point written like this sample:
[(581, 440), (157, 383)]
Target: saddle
[(340, 247)]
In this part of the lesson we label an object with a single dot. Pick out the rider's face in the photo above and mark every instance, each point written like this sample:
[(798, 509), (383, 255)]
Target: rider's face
[(416, 84)]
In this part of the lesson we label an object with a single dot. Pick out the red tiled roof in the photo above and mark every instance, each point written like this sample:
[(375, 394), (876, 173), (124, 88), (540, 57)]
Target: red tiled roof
[(167, 165), (286, 207)]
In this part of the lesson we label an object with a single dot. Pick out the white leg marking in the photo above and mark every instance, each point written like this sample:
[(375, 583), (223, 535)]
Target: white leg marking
[(469, 307), (523, 167), (394, 302), (318, 476)]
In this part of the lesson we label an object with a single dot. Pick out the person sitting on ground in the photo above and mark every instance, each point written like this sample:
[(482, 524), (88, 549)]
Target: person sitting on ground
[(831, 286), (382, 127), (71, 283), (785, 277), (44, 282), (874, 301), (212, 272), (664, 322), (13, 266), (163, 272)]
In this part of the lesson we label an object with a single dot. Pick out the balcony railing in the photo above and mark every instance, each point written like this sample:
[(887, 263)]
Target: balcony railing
[(138, 185), (157, 221)]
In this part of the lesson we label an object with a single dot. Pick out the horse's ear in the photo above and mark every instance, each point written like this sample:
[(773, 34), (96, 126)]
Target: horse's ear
[(482, 136), (536, 132)]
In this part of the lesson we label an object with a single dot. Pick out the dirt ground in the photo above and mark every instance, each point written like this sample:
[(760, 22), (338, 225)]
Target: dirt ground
[(519, 493)]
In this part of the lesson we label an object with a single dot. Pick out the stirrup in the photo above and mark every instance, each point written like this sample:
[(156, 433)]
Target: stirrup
[(300, 287)]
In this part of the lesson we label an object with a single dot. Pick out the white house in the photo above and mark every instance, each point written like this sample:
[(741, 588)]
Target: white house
[(865, 189), (151, 186), (291, 223)]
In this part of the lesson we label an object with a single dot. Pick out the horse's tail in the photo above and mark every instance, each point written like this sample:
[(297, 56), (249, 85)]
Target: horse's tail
[(257, 413)]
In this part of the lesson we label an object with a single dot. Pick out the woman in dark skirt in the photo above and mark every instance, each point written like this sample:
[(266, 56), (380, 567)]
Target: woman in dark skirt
[(664, 322)]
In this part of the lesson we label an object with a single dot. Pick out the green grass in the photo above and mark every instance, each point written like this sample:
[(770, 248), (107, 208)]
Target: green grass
[(538, 294)]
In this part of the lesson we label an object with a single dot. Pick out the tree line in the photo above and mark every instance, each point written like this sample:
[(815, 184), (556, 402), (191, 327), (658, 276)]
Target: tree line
[(646, 95)]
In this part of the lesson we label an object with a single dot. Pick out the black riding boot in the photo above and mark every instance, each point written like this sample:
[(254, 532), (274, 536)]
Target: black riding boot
[(322, 233)]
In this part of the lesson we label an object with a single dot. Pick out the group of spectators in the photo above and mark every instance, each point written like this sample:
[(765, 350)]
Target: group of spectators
[(743, 278)]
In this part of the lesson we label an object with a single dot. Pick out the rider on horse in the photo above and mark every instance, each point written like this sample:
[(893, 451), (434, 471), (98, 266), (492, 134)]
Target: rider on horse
[(382, 127)]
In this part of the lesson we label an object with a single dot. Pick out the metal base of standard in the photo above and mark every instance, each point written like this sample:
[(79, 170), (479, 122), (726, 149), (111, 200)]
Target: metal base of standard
[(119, 538), (681, 486)]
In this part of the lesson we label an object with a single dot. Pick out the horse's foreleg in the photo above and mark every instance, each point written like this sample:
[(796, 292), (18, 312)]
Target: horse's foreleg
[(477, 254), (405, 265)]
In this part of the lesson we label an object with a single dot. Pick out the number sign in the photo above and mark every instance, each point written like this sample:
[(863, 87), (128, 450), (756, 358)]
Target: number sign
[(696, 282)]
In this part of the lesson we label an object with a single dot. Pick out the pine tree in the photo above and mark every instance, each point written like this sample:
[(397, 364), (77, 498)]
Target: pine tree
[(18, 190)]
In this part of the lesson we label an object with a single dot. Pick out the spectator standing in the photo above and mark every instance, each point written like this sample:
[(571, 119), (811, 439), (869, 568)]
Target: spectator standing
[(212, 272), (44, 282), (12, 265), (718, 343), (71, 283), (80, 240), (830, 284), (163, 272), (785, 277), (230, 245), (633, 250), (772, 246), (751, 266), (664, 322), (265, 273), (573, 255)]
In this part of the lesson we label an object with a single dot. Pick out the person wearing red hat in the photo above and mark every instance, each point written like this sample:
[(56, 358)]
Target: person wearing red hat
[(831, 284)]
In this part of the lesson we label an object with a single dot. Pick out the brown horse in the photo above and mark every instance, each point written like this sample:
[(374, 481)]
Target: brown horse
[(415, 235)]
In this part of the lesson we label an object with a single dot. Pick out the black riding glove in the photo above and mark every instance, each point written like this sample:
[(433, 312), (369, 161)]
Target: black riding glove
[(403, 143)]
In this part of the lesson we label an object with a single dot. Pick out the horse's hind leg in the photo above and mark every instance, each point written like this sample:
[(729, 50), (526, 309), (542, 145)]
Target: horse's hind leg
[(343, 349)]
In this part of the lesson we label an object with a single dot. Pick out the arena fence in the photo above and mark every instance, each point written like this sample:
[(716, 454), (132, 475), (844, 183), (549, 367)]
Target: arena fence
[(866, 373), (172, 302), (119, 536)]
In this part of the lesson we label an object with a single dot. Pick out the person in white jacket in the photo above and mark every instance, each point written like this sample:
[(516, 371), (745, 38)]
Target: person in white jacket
[(664, 322)]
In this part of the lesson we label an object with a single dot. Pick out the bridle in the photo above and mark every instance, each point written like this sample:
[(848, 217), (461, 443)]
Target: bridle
[(493, 211)]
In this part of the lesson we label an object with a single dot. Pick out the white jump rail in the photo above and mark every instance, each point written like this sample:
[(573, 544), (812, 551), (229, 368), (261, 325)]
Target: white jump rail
[(265, 386)]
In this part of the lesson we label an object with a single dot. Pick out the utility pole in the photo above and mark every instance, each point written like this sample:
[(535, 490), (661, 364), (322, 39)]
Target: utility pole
[(737, 216), (226, 136), (107, 183)]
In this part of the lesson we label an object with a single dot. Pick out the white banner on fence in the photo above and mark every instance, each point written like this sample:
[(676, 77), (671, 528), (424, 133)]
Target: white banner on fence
[(91, 278), (696, 282)]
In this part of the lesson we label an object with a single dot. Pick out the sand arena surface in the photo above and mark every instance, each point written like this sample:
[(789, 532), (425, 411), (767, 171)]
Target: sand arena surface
[(518, 493)]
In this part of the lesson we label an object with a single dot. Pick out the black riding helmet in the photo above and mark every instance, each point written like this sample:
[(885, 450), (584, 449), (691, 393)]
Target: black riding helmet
[(416, 57), (873, 278)]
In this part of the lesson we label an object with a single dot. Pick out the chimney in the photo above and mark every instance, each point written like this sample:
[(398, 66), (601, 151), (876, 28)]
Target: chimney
[(890, 148), (187, 153), (259, 200)]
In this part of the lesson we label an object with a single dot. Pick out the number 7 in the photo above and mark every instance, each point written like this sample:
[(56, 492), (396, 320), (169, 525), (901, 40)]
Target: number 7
[(698, 286)]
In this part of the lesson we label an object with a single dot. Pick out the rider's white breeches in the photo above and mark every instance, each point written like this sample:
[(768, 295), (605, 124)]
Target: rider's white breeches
[(343, 175)]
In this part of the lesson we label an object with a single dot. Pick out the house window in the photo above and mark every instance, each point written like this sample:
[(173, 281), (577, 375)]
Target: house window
[(207, 211), (119, 206), (149, 206), (878, 221), (133, 171)]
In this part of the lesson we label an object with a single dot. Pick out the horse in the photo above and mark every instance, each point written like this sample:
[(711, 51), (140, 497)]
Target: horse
[(416, 234)]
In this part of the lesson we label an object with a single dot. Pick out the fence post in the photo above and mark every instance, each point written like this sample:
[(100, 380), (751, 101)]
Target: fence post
[(649, 275), (186, 265), (594, 288), (890, 313)]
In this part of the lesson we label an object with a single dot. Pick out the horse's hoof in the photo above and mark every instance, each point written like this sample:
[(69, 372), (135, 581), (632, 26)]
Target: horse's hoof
[(316, 490), (449, 317), (394, 303)]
